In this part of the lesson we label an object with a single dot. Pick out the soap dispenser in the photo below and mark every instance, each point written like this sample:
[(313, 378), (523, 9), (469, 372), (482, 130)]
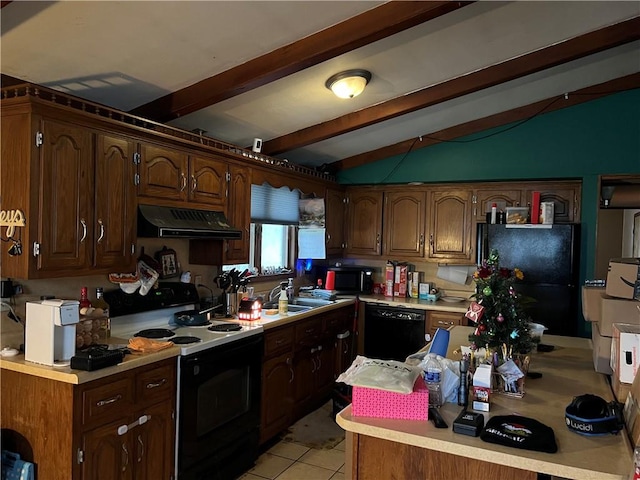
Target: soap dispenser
[(290, 290), (283, 301)]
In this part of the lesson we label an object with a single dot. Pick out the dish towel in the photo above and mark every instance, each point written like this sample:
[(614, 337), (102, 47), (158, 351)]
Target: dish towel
[(146, 345)]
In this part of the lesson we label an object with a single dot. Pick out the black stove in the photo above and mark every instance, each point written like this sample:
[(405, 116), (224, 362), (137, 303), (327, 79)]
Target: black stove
[(155, 333), (225, 327), (185, 339)]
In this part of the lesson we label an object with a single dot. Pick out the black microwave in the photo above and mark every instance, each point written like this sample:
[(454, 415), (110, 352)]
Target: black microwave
[(352, 280)]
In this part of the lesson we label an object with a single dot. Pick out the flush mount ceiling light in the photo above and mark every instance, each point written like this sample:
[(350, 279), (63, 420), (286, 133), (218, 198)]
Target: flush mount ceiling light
[(348, 84)]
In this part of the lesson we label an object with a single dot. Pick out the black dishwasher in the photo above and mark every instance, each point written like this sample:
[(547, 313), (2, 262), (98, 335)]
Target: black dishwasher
[(392, 332)]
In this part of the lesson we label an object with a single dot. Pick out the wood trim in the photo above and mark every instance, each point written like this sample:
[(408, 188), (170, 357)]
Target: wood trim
[(587, 94), (368, 27), (544, 58), (4, 3)]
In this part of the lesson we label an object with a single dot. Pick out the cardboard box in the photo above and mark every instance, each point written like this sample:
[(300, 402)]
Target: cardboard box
[(389, 276), (414, 284), (601, 351), (546, 213), (616, 310), (371, 402), (401, 280), (620, 390), (482, 387), (535, 207), (625, 348), (623, 278), (592, 303), (632, 412)]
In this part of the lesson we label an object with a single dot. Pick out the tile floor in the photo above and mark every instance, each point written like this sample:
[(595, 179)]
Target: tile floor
[(292, 461)]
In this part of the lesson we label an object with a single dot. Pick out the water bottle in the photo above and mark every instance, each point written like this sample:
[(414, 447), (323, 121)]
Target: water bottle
[(433, 379)]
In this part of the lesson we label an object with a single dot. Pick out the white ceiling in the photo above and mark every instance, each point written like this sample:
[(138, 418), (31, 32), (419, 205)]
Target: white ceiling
[(126, 54)]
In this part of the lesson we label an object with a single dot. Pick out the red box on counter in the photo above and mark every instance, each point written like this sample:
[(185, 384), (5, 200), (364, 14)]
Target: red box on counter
[(371, 402), (401, 280), (535, 207)]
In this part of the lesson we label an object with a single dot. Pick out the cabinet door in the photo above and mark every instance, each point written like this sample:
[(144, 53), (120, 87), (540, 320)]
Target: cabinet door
[(115, 203), (404, 220), (364, 222), (277, 398), (335, 213), (566, 201), (305, 364), (208, 180), (107, 455), (66, 199), (163, 172), (484, 198), (153, 443), (325, 367), (239, 214), (450, 223)]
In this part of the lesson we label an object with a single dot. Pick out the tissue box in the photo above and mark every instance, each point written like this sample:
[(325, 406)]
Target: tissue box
[(371, 402), (623, 278), (482, 387)]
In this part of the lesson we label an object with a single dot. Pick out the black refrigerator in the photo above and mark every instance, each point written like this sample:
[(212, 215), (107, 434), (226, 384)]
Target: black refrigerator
[(549, 258)]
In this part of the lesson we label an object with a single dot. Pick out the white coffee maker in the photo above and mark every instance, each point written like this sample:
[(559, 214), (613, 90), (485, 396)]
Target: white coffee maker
[(50, 332)]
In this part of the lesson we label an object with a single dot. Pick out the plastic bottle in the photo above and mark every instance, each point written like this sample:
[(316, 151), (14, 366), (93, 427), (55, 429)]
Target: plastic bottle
[(84, 299), (290, 290), (433, 379), (463, 388), (283, 301), (494, 213)]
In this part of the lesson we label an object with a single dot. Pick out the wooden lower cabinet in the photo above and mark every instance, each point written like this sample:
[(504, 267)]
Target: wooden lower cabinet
[(444, 320), (118, 427), (300, 367), (374, 458)]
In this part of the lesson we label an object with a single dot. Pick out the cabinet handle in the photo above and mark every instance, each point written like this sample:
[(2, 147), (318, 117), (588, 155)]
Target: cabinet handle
[(319, 363), (125, 457), (141, 449), (377, 239), (184, 182), (158, 384), (313, 370), (421, 239), (431, 239), (291, 370), (102, 403), (101, 236), (84, 230), (328, 237), (279, 341), (194, 183)]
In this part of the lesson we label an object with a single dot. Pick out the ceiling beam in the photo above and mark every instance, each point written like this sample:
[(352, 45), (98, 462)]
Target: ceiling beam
[(544, 58), (375, 24), (523, 113)]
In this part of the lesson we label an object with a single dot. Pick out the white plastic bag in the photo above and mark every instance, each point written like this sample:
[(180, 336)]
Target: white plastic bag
[(389, 375)]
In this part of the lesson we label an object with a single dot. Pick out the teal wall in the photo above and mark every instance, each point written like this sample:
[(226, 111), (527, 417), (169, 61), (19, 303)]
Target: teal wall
[(600, 137)]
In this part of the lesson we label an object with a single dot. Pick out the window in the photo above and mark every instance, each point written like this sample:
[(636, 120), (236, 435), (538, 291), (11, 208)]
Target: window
[(274, 219)]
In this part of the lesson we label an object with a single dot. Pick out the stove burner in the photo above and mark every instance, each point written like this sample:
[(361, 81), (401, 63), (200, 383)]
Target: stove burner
[(155, 333), (185, 339), (225, 327)]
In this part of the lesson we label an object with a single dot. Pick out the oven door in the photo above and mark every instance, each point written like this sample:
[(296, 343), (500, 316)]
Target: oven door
[(219, 410)]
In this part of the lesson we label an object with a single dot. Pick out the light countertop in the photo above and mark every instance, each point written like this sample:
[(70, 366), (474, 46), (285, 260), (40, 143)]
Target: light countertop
[(566, 372)]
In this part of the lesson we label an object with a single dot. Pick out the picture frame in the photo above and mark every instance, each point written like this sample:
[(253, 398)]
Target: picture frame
[(169, 262)]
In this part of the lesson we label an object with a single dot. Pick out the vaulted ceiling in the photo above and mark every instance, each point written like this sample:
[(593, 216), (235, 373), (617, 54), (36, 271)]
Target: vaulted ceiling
[(240, 70)]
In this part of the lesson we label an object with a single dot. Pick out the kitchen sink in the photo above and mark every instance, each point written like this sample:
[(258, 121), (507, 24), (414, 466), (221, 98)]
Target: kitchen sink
[(293, 308), (300, 304)]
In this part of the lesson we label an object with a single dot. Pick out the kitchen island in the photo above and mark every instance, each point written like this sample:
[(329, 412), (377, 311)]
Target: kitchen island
[(389, 448)]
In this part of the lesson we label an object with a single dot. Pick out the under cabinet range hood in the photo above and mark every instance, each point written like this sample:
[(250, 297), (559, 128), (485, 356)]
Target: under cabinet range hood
[(170, 222)]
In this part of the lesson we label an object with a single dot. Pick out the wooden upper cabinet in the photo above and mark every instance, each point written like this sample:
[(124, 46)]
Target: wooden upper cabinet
[(65, 223), (451, 226), (404, 223), (335, 209), (115, 202), (207, 180), (485, 197), (565, 198), (239, 214), (163, 172), (364, 222)]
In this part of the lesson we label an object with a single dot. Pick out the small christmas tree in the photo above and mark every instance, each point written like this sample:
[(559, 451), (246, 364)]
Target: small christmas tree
[(502, 326)]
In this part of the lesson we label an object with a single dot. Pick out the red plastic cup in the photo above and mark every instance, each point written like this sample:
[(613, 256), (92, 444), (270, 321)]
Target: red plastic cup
[(331, 280)]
